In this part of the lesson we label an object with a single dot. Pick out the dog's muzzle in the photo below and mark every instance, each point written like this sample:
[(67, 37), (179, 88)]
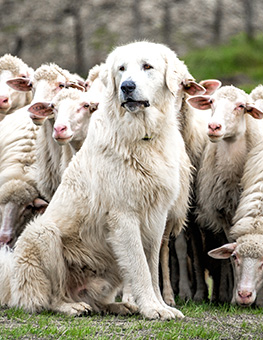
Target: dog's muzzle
[(135, 105)]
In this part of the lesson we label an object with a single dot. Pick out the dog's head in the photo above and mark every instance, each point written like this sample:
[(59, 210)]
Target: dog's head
[(139, 74)]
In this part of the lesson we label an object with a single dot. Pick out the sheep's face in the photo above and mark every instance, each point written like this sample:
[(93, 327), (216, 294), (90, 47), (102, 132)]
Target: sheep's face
[(249, 278), (247, 256)]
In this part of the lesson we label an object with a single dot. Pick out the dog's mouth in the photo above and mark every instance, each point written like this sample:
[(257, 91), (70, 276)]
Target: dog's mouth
[(134, 105)]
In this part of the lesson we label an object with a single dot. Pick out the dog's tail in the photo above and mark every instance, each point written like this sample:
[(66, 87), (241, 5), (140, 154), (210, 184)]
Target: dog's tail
[(6, 266)]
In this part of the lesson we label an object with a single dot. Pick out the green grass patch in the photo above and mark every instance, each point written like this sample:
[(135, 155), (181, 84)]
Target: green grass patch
[(202, 321), (239, 59)]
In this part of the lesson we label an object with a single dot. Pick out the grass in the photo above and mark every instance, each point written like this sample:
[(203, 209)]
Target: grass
[(239, 60), (203, 321)]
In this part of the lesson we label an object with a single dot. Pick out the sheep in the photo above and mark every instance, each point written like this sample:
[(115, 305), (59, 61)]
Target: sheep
[(48, 80), (247, 233), (71, 112), (192, 128), (18, 135), (10, 99), (19, 198), (19, 202), (51, 158), (233, 133)]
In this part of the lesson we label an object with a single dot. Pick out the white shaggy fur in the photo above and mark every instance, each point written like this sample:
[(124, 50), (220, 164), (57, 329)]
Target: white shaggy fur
[(75, 256)]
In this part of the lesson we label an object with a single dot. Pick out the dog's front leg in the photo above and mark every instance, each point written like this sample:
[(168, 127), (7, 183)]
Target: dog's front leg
[(125, 239), (153, 255)]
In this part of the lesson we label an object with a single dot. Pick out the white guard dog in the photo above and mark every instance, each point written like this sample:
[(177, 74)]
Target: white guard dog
[(104, 225)]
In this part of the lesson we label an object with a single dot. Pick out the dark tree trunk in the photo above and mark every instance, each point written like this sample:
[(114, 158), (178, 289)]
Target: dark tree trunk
[(217, 26), (249, 17)]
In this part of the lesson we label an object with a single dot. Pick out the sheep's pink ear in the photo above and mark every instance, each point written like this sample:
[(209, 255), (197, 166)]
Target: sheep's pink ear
[(41, 109), (20, 84), (200, 102), (193, 88), (210, 85), (254, 112), (223, 252), (40, 205)]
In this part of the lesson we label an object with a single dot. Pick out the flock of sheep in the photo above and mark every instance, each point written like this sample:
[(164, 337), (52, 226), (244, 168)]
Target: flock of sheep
[(46, 115)]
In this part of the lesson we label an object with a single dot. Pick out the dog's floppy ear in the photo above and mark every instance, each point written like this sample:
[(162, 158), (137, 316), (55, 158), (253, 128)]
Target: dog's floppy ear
[(106, 75), (176, 71)]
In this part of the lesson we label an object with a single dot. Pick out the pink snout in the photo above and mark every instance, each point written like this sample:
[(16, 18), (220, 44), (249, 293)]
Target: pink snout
[(4, 102), (214, 127), (60, 131), (245, 297)]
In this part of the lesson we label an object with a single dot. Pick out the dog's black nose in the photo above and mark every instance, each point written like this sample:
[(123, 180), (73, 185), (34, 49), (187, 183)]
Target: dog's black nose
[(128, 86)]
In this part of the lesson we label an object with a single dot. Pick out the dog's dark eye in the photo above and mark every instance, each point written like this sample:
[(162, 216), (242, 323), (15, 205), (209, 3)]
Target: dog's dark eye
[(147, 67), (122, 68)]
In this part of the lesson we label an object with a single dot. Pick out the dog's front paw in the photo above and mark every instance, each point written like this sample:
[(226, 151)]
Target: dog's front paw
[(163, 313)]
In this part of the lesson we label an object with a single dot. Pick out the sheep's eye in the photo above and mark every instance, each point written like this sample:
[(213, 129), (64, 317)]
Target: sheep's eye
[(86, 106), (61, 86), (147, 67), (122, 68)]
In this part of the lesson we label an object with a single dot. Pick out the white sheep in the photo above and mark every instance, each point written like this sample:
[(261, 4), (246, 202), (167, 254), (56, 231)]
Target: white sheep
[(18, 135), (47, 82), (10, 99), (247, 231), (233, 133), (19, 202), (193, 130), (19, 198), (71, 112)]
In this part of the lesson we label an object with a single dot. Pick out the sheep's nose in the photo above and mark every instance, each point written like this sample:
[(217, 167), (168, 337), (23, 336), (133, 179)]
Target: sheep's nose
[(215, 127), (244, 294), (60, 128), (128, 86), (4, 102)]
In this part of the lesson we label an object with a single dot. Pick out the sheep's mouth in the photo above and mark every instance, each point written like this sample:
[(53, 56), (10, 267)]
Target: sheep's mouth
[(62, 141), (214, 137), (135, 105)]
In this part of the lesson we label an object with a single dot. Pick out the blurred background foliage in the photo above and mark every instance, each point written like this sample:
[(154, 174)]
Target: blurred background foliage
[(216, 38)]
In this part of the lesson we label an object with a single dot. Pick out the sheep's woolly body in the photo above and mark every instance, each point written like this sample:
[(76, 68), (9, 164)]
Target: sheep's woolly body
[(248, 218), (12, 64), (17, 191), (193, 129), (94, 73), (17, 146), (218, 181), (257, 93)]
